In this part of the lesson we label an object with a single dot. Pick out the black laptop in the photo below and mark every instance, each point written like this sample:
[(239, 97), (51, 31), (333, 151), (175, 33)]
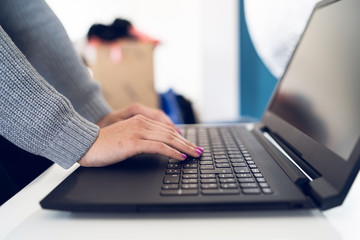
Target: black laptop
[(303, 154)]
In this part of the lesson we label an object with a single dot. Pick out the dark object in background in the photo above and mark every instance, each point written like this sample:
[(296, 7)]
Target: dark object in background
[(17, 169), (120, 28), (186, 109), (177, 107)]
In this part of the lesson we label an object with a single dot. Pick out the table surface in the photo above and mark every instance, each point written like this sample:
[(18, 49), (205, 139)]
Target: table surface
[(22, 218)]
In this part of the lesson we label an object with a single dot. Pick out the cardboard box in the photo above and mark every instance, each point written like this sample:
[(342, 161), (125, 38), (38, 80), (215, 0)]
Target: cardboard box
[(125, 72)]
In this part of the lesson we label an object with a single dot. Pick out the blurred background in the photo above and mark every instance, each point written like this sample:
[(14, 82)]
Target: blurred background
[(198, 54), (206, 49)]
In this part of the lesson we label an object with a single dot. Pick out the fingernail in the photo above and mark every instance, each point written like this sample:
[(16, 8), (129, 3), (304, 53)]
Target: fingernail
[(183, 156), (200, 148), (179, 131), (198, 152)]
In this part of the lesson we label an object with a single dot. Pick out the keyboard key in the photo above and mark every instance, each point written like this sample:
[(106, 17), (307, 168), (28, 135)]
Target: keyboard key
[(174, 166), (222, 165), (188, 176), (191, 180), (171, 179), (172, 171), (218, 147), (209, 185), (251, 191), (260, 180), (226, 175), (237, 160), (190, 171), (222, 161), (246, 180), (179, 192), (207, 167), (189, 186), (266, 190), (241, 170), (190, 165), (244, 175), (208, 180), (216, 171), (220, 191), (239, 164), (232, 148), (219, 153), (228, 185), (252, 166), (248, 185), (227, 180), (171, 160), (170, 186), (206, 154), (192, 161), (208, 175), (206, 163), (233, 152)]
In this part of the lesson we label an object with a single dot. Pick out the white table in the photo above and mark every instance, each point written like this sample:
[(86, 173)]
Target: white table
[(22, 218)]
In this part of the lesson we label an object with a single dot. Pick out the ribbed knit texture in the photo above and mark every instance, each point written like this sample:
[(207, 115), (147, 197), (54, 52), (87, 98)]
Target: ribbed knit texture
[(33, 114), (38, 33)]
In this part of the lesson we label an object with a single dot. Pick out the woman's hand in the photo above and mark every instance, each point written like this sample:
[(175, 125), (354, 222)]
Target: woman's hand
[(137, 135), (136, 109)]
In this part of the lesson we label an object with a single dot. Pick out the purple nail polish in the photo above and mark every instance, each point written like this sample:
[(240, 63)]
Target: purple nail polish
[(184, 156), (198, 152), (200, 148), (179, 131)]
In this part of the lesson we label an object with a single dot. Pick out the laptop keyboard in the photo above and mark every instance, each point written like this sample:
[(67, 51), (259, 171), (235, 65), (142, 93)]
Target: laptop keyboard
[(225, 168)]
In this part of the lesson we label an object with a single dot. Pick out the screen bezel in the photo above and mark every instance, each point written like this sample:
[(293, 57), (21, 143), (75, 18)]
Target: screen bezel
[(336, 170)]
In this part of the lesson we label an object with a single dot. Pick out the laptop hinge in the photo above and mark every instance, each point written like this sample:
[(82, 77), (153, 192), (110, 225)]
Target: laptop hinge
[(292, 164)]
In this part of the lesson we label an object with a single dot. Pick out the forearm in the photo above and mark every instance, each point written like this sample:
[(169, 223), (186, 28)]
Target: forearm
[(34, 116), (38, 33)]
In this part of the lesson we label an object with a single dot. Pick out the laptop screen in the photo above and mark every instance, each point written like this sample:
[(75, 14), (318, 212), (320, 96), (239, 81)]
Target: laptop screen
[(320, 91)]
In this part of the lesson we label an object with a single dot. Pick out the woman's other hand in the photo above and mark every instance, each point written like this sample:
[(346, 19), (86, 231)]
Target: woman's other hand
[(133, 110)]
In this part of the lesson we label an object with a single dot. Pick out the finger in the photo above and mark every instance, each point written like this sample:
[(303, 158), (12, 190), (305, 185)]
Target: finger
[(162, 117), (154, 147), (157, 115), (156, 126), (173, 141), (151, 113)]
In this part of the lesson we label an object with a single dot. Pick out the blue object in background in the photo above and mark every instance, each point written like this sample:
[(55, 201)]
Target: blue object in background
[(256, 81), (177, 107), (170, 106)]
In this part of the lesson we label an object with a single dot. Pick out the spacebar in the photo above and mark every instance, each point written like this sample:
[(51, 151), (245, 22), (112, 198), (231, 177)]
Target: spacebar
[(216, 171), (220, 191)]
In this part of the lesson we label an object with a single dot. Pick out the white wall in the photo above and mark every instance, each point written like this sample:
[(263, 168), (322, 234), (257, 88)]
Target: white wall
[(198, 54), (220, 76)]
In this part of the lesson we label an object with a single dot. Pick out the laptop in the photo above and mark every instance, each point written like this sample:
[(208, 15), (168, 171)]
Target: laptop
[(303, 154)]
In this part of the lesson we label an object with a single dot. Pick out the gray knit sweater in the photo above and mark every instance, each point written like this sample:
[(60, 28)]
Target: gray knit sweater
[(48, 103)]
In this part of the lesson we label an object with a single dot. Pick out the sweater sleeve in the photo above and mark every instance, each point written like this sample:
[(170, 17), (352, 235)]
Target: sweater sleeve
[(40, 36), (34, 116)]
